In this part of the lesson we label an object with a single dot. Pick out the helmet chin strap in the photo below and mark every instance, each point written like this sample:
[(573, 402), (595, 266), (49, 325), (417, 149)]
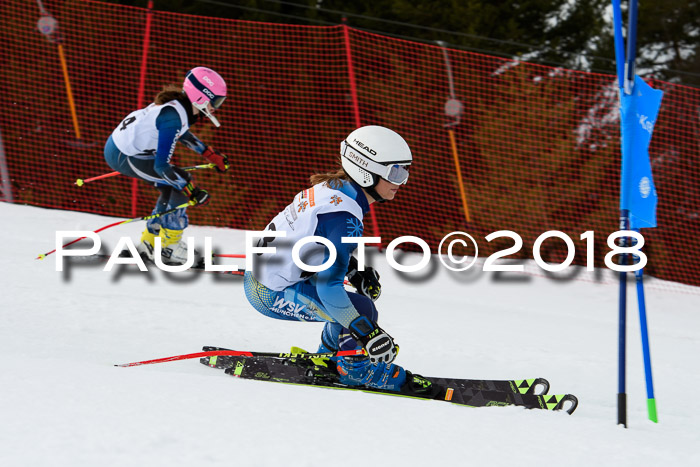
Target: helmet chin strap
[(203, 109), (372, 190)]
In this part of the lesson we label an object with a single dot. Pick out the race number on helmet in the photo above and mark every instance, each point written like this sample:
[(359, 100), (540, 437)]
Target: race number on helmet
[(204, 86)]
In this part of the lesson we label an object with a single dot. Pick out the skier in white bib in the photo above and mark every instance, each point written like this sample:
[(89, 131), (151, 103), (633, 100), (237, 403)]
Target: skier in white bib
[(375, 162), (142, 147)]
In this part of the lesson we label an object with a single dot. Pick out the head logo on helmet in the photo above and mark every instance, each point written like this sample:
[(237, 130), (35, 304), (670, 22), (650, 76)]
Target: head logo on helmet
[(365, 147), (204, 86), (371, 153)]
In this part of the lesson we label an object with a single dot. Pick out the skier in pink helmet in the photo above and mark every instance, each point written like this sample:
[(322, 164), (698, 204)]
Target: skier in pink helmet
[(143, 144), (206, 90)]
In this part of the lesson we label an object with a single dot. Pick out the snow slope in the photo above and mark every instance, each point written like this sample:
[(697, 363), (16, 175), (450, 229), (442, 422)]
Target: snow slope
[(63, 403)]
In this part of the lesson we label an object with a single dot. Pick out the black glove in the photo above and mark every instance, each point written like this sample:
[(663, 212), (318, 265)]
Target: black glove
[(215, 157), (195, 194), (365, 282), (378, 344)]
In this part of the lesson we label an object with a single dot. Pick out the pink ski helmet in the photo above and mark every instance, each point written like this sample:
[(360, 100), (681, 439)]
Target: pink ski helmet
[(202, 86)]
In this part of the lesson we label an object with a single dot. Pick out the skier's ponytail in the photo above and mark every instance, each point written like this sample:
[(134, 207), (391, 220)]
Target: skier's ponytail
[(170, 92), (332, 179)]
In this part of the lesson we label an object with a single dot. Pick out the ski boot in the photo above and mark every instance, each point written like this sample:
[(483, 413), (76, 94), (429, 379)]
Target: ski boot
[(174, 250), (355, 371), (145, 248)]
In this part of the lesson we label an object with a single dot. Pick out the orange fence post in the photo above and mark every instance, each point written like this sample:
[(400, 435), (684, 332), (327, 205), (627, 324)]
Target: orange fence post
[(454, 109), (458, 170), (48, 26), (69, 91)]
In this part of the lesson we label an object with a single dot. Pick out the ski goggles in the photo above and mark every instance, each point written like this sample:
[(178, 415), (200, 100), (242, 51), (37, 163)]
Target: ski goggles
[(396, 173), (215, 100)]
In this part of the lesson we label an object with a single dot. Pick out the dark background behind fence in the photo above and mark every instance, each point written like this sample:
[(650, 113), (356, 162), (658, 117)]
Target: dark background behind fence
[(538, 146)]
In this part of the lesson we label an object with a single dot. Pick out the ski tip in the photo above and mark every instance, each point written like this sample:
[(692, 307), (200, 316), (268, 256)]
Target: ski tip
[(568, 403), (540, 386), (533, 386)]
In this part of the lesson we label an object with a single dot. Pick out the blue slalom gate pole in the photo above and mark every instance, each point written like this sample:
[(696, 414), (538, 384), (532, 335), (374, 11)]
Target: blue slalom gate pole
[(651, 401), (639, 106), (622, 332), (631, 46), (622, 69)]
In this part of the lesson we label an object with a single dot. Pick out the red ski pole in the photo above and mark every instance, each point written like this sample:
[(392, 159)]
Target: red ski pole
[(239, 353), (81, 182), (144, 218)]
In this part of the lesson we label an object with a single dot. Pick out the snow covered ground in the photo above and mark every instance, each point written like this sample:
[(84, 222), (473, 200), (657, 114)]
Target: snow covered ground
[(63, 403)]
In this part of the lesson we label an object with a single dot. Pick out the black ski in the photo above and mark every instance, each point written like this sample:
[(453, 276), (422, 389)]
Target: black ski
[(534, 386), (319, 373)]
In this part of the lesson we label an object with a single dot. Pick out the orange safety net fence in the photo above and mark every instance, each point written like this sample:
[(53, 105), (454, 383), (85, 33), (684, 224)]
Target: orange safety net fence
[(537, 147)]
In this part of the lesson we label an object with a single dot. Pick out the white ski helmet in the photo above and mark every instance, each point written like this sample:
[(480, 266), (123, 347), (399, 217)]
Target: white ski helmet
[(373, 152)]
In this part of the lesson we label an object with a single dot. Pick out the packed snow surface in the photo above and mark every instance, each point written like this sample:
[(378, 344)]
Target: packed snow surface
[(64, 403)]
